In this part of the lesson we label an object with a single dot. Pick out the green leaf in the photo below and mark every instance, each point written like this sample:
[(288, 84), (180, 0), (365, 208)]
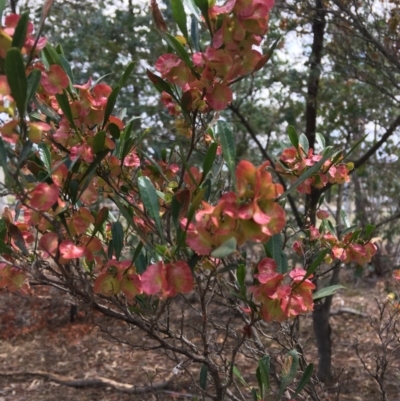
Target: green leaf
[(68, 70), (203, 376), (33, 83), (320, 140), (4, 248), (117, 234), (63, 102), (350, 229), (180, 50), (175, 212), (209, 159), (316, 262), (149, 197), (228, 146), (112, 99), (226, 249), (3, 159), (369, 229), (46, 110), (345, 219), (303, 142), (45, 156), (310, 172), (15, 72), (178, 12), (273, 249), (51, 55), (262, 374), (194, 33), (21, 29), (289, 370), (204, 6), (254, 394), (190, 4), (114, 130), (99, 141), (160, 84), (127, 73), (327, 291), (101, 218), (137, 252), (294, 138), (73, 191), (26, 149), (237, 373), (3, 4), (304, 379), (241, 276)]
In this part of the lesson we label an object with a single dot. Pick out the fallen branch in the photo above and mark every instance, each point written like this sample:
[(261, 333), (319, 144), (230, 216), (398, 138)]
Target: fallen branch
[(350, 311), (93, 382)]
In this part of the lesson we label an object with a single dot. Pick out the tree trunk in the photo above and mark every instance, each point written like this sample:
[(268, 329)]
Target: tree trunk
[(322, 331)]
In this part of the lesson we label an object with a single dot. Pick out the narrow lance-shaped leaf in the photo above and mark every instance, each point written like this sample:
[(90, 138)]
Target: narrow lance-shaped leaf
[(273, 248), (289, 370), (304, 379), (180, 51), (228, 146), (51, 55), (194, 33), (320, 140), (15, 72), (209, 159), (294, 138), (63, 102), (327, 291), (99, 141), (3, 4), (262, 374), (314, 265), (160, 84), (117, 233), (241, 276), (204, 6), (45, 156), (20, 31), (194, 10), (178, 12), (33, 83), (149, 197), (67, 68), (303, 142), (203, 376), (3, 159), (126, 74), (238, 374), (112, 99)]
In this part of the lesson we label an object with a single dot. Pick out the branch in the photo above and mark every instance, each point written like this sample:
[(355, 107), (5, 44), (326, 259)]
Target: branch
[(318, 29), (374, 148), (93, 382), (266, 156), (367, 36), (388, 220)]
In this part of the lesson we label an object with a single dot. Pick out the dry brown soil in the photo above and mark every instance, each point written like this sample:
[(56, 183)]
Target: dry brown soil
[(37, 335)]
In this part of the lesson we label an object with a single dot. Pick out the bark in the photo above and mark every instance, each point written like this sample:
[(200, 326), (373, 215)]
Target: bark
[(321, 311)]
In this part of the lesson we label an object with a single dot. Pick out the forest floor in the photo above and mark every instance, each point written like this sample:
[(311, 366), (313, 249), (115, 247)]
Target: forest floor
[(36, 335)]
